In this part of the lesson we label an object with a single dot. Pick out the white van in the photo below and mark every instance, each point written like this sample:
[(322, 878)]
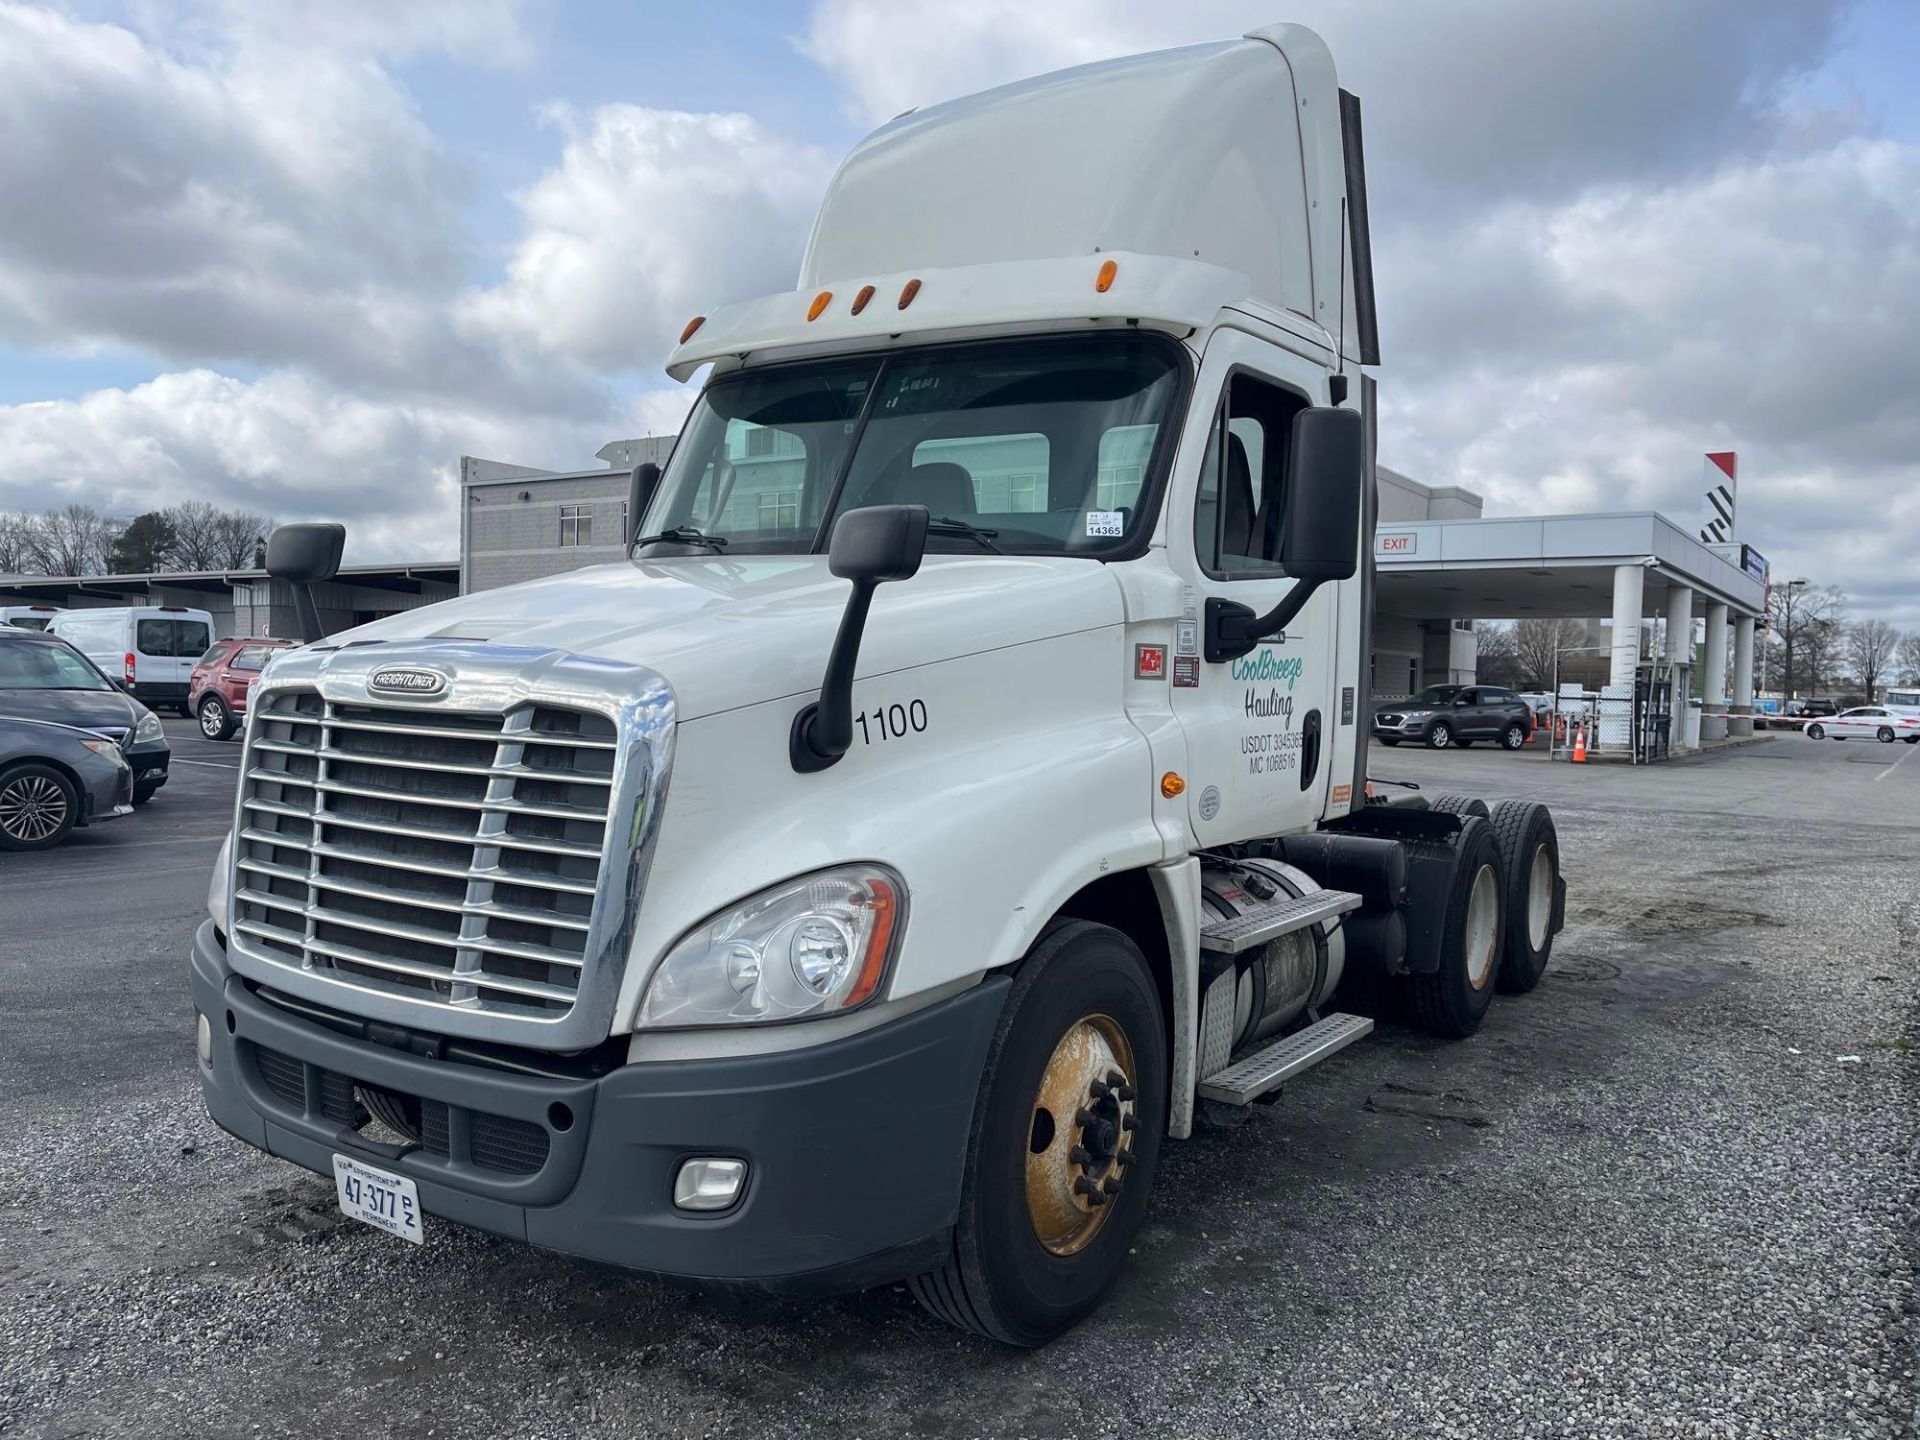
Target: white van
[(1904, 698), (28, 617), (153, 648)]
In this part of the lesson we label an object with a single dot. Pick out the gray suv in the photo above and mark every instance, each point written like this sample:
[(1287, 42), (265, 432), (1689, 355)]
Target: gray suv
[(1442, 716)]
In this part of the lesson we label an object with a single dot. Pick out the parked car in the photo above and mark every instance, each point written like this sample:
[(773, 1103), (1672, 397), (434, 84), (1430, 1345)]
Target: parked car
[(218, 688), (54, 777), (1874, 722), (151, 647), (28, 617), (1445, 715), (46, 680)]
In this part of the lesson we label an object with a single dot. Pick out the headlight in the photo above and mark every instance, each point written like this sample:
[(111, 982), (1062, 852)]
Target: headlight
[(1415, 714), (814, 946), (148, 729), (217, 886)]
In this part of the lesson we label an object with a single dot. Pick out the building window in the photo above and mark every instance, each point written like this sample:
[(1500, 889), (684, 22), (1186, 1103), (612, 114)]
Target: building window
[(780, 510), (576, 525), (759, 442)]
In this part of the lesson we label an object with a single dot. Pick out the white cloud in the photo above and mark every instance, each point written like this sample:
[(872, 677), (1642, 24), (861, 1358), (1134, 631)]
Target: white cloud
[(652, 216), (286, 445)]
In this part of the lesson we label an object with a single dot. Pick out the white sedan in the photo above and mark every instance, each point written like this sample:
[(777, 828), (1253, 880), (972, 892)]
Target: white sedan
[(1867, 722)]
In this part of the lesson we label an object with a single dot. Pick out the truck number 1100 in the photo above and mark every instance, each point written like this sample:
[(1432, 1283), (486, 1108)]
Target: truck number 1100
[(892, 722)]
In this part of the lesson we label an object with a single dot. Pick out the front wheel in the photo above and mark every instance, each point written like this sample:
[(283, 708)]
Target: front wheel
[(1065, 1141), (1815, 732), (38, 806), (1439, 735), (216, 721), (1388, 743), (1885, 733), (1514, 736)]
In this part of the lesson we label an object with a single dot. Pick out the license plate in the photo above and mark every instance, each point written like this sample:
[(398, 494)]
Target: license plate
[(382, 1199)]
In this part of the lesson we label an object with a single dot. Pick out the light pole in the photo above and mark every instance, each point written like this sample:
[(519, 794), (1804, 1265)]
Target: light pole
[(1791, 590)]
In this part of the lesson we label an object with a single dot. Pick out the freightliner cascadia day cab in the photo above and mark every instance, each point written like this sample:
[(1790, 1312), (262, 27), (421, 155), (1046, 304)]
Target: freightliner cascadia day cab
[(957, 794)]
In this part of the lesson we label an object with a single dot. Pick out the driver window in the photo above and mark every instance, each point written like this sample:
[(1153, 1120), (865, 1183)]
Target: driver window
[(1238, 510)]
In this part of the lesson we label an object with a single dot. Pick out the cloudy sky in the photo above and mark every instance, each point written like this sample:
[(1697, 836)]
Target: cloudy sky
[(302, 257)]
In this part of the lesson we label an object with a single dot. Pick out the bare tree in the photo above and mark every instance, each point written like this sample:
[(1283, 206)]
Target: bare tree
[(1910, 658), (1870, 650), (1536, 643), (1806, 621), (208, 538), (73, 541), (1497, 662), (16, 549)]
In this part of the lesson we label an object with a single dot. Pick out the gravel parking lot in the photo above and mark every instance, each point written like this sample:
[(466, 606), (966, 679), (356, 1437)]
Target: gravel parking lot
[(1671, 1192)]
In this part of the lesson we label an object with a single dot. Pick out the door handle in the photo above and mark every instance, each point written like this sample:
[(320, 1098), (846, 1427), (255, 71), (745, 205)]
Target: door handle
[(1309, 748)]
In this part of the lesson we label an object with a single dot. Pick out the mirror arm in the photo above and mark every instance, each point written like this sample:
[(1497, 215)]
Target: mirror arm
[(307, 610), (823, 731), (1233, 629)]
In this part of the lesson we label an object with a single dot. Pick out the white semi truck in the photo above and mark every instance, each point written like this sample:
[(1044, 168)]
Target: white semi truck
[(958, 792)]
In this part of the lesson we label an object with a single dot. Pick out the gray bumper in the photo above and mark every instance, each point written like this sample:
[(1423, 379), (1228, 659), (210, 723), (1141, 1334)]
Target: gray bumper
[(855, 1147)]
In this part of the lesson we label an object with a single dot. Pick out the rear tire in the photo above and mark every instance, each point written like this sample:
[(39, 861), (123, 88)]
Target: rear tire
[(1529, 864), (1461, 805), (1885, 734), (1032, 1252), (216, 721), (38, 806), (1452, 1001)]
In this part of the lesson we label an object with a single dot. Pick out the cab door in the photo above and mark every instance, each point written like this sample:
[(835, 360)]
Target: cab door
[(1259, 727)]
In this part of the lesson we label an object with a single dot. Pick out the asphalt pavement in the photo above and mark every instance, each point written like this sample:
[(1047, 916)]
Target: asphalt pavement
[(1672, 1192)]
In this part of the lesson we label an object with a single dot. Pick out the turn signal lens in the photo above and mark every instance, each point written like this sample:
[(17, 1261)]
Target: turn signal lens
[(860, 300), (1105, 281), (907, 292), (692, 325), (1172, 785), (820, 303)]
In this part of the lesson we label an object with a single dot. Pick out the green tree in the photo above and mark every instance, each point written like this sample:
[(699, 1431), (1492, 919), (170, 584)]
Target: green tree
[(146, 545)]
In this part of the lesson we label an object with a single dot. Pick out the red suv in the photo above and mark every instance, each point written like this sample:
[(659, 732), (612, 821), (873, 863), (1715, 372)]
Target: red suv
[(217, 689)]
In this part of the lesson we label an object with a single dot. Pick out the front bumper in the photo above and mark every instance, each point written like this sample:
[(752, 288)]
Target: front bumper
[(855, 1147), (150, 763), (1400, 727)]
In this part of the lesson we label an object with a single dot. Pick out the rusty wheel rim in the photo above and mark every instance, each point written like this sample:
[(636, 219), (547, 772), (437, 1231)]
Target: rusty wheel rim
[(1080, 1138)]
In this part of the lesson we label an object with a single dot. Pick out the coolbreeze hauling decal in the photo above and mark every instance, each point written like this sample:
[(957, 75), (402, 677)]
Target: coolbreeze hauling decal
[(1271, 746)]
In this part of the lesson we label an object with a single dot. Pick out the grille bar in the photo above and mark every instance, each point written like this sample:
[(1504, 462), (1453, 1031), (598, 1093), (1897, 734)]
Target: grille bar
[(438, 855)]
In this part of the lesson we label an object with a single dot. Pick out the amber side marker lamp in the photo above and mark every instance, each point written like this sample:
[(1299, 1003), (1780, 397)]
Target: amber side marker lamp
[(1172, 785), (692, 325), (860, 300), (907, 292), (820, 303), (1104, 282)]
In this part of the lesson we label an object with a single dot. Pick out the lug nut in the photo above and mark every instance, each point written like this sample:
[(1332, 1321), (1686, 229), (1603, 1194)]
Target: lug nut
[(1111, 1185), (1129, 1122), (1099, 1089), (1080, 1155)]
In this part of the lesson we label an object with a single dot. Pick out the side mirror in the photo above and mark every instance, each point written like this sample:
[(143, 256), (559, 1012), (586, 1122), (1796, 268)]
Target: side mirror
[(1320, 538), (640, 487), (304, 555), (870, 546)]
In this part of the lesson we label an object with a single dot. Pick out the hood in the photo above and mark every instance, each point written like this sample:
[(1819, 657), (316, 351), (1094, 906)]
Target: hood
[(731, 632), (83, 709)]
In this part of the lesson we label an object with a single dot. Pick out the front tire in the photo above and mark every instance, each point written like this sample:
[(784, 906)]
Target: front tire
[(38, 806), (1049, 1206), (1514, 736), (1439, 735), (143, 793), (216, 721), (1388, 743), (1453, 1000), (1816, 732)]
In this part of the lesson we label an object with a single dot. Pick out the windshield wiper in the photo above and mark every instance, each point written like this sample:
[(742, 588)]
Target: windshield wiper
[(684, 535), (947, 525)]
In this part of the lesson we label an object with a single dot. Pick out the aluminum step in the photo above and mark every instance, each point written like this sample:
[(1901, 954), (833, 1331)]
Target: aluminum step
[(1245, 1081), (1251, 929)]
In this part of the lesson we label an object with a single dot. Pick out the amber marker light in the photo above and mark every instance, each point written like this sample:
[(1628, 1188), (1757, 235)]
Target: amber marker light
[(820, 303), (692, 325), (907, 292), (1171, 785), (860, 300), (1104, 282), (886, 911)]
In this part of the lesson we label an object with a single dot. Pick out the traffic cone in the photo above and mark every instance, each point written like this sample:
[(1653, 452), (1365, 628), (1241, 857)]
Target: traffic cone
[(1580, 745)]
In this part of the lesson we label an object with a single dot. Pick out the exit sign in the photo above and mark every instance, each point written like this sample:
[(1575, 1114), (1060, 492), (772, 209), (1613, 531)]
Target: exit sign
[(1404, 544)]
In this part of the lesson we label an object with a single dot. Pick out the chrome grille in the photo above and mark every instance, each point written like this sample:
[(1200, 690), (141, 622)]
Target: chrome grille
[(444, 856)]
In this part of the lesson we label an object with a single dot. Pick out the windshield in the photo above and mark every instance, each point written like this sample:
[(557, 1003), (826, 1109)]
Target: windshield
[(36, 665), (1040, 448), (1434, 695)]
